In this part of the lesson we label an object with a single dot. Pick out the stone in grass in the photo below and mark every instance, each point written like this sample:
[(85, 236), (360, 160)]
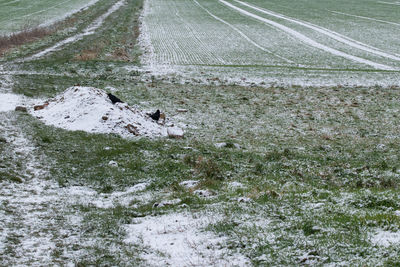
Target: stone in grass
[(21, 108), (175, 132), (40, 107)]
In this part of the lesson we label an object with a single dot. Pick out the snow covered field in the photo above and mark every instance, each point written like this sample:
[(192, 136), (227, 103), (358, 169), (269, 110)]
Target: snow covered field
[(268, 173), (17, 14), (302, 43)]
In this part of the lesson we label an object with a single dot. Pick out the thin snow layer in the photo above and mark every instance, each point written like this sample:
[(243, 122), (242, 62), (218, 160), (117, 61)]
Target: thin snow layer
[(177, 239), (308, 40), (87, 196), (88, 31), (89, 109), (386, 238), (8, 102)]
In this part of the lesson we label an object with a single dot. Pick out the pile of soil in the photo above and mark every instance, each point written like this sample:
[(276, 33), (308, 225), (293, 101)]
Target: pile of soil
[(90, 109)]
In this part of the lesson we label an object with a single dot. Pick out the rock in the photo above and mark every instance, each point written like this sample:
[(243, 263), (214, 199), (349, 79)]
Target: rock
[(39, 107), (132, 129), (21, 108), (175, 132), (3, 140), (104, 118), (162, 118)]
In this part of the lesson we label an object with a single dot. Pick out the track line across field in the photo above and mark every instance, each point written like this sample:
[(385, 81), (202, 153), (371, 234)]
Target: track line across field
[(89, 30), (241, 33), (334, 35), (5, 4), (389, 3), (310, 41), (362, 17)]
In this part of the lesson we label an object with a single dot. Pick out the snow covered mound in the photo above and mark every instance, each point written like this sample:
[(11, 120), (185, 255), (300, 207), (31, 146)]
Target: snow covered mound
[(90, 109)]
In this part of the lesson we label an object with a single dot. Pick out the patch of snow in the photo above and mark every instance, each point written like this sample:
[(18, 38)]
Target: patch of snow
[(236, 185), (177, 239), (113, 163), (89, 109), (166, 203), (220, 145), (244, 199), (88, 196), (9, 101), (203, 193), (386, 238), (175, 132), (189, 183)]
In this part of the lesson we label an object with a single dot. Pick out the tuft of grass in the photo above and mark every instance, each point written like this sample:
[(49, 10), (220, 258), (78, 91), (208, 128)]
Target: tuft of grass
[(26, 35)]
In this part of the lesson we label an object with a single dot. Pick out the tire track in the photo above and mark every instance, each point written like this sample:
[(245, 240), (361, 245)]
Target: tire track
[(241, 33), (11, 2), (389, 3), (367, 18), (88, 31), (310, 41), (334, 35)]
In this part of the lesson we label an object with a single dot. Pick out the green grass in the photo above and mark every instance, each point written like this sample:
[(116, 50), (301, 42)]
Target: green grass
[(319, 165)]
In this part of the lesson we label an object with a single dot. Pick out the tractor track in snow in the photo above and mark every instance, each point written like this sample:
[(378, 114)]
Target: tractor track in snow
[(310, 41), (88, 31), (366, 18), (242, 34), (334, 35)]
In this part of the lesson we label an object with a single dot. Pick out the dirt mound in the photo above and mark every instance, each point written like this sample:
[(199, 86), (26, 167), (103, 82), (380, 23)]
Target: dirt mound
[(90, 109)]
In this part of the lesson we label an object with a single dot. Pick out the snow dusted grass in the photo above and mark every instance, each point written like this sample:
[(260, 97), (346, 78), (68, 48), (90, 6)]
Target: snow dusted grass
[(272, 43), (306, 175), (16, 14), (315, 175)]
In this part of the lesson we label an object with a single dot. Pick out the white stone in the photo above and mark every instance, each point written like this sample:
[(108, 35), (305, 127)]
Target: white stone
[(175, 132)]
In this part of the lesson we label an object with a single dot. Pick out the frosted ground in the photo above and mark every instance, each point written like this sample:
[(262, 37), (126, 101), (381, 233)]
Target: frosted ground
[(271, 171), (275, 42)]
